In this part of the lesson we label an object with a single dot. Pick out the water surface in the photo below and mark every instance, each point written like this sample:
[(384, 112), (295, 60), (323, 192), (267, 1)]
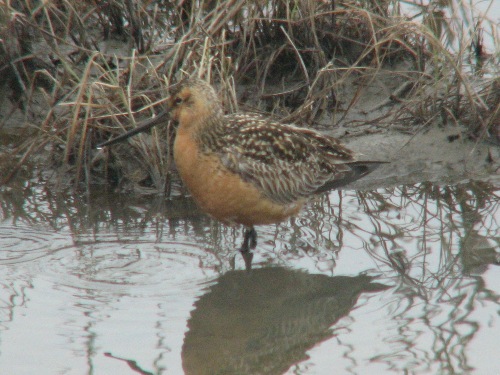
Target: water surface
[(388, 281)]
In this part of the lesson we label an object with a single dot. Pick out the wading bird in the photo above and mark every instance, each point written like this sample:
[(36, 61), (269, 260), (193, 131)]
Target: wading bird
[(245, 169)]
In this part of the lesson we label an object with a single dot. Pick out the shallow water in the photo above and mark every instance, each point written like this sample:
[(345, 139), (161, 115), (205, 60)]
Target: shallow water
[(388, 281)]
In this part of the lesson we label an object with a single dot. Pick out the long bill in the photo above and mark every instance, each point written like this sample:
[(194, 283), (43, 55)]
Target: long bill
[(146, 125)]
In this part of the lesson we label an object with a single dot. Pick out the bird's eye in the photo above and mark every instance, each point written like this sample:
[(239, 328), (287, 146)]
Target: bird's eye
[(177, 101)]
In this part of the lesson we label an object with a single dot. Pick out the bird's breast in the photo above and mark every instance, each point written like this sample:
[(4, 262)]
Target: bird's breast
[(224, 194)]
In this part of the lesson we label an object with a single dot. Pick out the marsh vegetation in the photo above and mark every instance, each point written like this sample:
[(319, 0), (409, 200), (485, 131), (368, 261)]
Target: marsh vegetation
[(77, 73)]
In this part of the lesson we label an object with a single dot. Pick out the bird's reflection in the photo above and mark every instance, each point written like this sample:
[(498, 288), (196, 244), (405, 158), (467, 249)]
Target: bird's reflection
[(264, 320), (478, 253)]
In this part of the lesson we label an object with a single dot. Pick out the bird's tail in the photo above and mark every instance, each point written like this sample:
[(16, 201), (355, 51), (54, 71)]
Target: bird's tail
[(359, 169)]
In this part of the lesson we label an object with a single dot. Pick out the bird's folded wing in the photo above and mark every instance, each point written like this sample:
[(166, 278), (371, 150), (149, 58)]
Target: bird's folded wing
[(287, 164)]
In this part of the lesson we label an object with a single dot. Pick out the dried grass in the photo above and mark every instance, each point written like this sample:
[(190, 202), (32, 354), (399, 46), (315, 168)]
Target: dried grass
[(91, 70)]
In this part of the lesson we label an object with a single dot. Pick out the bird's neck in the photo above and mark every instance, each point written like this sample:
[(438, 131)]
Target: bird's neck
[(210, 131)]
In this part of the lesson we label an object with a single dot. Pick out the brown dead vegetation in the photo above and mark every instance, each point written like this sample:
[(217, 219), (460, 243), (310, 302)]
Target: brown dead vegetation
[(81, 72)]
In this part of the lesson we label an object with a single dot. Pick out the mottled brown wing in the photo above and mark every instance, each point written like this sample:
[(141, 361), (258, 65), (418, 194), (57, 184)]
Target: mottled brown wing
[(285, 162)]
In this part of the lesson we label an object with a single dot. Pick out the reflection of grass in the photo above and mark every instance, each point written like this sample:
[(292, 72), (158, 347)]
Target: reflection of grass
[(434, 267), (406, 224), (445, 214), (432, 241), (59, 66), (425, 240)]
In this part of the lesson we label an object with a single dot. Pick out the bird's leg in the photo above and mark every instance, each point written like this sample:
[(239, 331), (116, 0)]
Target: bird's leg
[(248, 257), (249, 240)]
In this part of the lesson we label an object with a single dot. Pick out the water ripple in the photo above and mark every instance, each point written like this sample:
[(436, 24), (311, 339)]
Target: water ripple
[(114, 265), (24, 243)]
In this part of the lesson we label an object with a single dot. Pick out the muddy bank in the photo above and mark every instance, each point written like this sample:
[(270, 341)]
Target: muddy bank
[(441, 155)]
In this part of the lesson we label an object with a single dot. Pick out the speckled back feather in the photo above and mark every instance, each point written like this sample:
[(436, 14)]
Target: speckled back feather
[(285, 162)]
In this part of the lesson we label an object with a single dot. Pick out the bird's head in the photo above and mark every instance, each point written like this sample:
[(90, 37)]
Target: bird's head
[(192, 104)]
